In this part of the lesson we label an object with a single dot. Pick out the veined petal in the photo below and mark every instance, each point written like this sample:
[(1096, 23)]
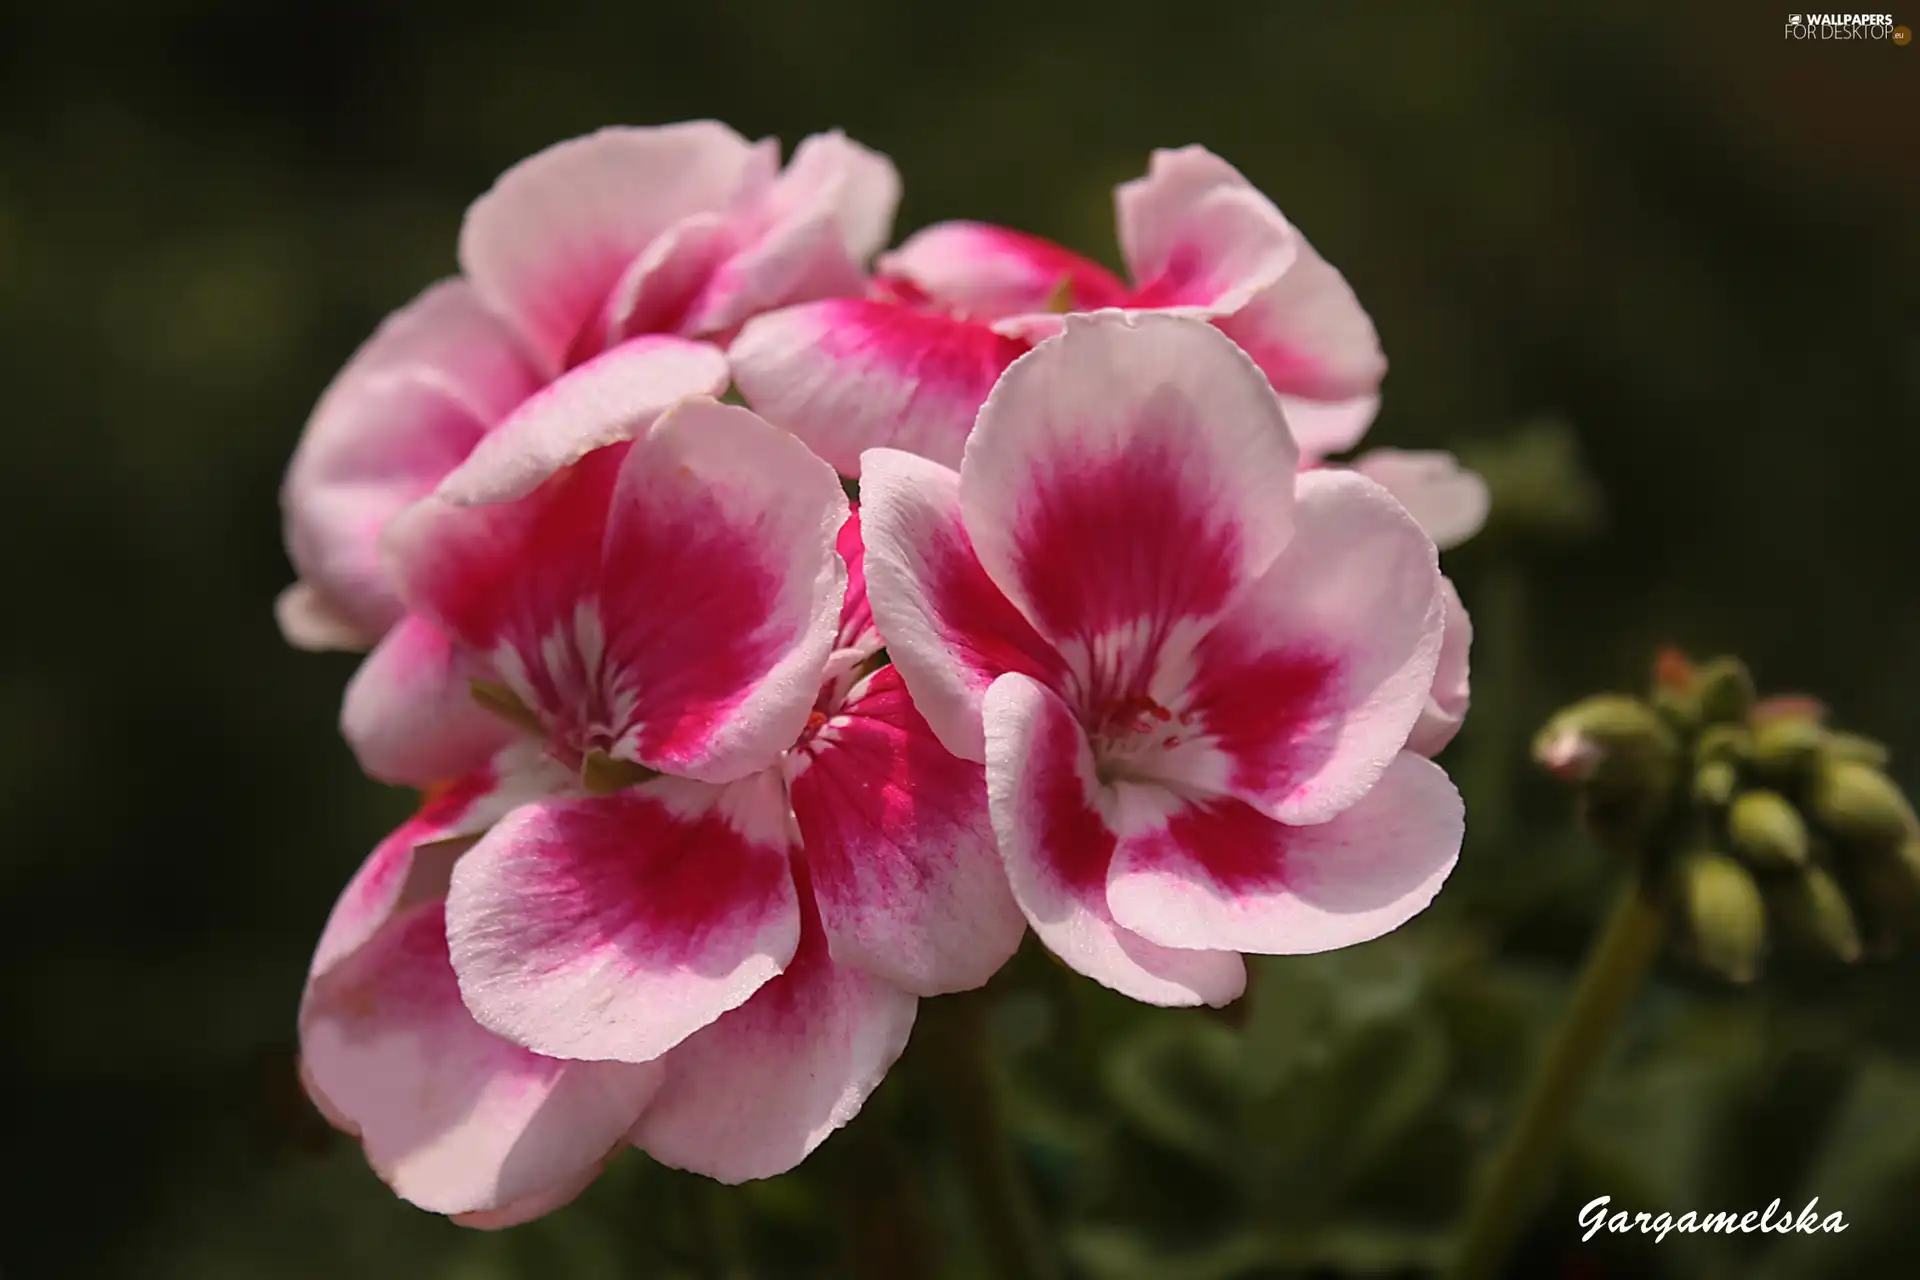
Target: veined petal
[(1446, 707), (611, 398), (409, 712), (848, 374), (1449, 501), (1221, 874), (1310, 686), (723, 591), (1126, 479), (947, 627), (546, 246), (613, 927), (857, 631), (909, 883), (984, 272), (1058, 846), (454, 1118), (752, 1095), (1309, 334), (1196, 233), (405, 410)]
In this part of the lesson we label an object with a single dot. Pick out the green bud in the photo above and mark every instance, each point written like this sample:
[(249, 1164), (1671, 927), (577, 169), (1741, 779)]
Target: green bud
[(1766, 831), (1886, 887), (1860, 806), (1723, 691), (1851, 746), (1787, 748), (1622, 753), (1812, 908), (1726, 917), (1731, 743), (1714, 784)]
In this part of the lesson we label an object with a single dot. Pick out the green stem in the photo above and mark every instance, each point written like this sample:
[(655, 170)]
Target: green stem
[(966, 1091), (1522, 1168)]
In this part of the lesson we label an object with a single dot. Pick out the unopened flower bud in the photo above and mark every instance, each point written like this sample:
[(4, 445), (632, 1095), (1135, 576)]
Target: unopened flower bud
[(1729, 743), (1886, 887), (1714, 784), (1860, 806), (1622, 753), (1852, 746), (1723, 691), (1766, 831), (1726, 917), (1786, 748), (1812, 908)]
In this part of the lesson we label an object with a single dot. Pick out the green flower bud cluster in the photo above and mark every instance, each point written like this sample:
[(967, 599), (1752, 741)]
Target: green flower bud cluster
[(1754, 819)]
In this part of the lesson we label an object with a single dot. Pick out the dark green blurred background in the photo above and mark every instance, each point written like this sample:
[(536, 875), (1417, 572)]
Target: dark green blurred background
[(1666, 226)]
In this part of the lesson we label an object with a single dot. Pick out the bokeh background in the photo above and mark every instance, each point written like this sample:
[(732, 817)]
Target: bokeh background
[(1650, 264)]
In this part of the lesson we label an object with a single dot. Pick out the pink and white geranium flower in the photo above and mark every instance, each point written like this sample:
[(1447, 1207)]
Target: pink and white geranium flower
[(1190, 671), (743, 857), (630, 245)]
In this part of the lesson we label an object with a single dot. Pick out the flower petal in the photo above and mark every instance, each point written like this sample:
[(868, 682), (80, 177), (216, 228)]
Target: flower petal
[(611, 398), (613, 927), (849, 374), (984, 272), (1449, 501), (1309, 334), (518, 1212), (1221, 874), (1058, 847), (308, 620), (723, 591), (858, 184), (1129, 475), (1322, 427), (1196, 233), (454, 1118), (752, 1095), (857, 631), (909, 882), (948, 629), (1312, 683), (546, 246), (1447, 701), (404, 411), (409, 712)]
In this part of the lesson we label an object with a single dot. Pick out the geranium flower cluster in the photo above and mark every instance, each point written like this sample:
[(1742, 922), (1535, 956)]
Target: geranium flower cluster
[(722, 772)]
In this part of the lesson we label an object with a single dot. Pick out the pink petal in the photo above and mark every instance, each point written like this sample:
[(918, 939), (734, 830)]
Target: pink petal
[(1447, 701), (1220, 874), (1058, 845), (848, 375), (409, 712), (723, 591), (392, 878), (455, 1119), (1312, 684), (404, 411), (984, 272), (1195, 233), (829, 212), (613, 927), (752, 1095), (612, 398), (904, 866), (1309, 334), (524, 1210), (1323, 427), (1449, 501), (546, 246), (308, 620), (857, 631), (1130, 476), (948, 629)]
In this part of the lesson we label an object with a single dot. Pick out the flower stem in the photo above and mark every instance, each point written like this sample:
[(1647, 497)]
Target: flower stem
[(1522, 1168), (962, 1075)]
